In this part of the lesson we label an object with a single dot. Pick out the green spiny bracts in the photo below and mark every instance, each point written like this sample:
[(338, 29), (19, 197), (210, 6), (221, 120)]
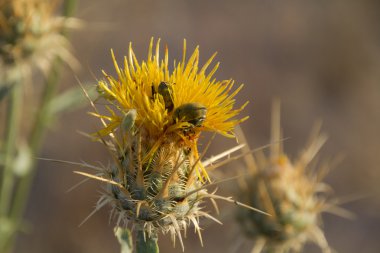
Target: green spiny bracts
[(159, 194), (290, 191)]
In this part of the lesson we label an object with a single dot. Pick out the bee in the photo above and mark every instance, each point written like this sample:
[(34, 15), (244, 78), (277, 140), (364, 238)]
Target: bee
[(165, 91), (193, 113)]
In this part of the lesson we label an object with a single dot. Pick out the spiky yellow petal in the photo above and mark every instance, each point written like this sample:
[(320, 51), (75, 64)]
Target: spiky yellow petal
[(132, 89)]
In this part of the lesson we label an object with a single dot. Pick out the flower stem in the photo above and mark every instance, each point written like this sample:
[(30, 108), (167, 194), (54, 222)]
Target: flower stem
[(42, 118), (13, 114), (11, 133), (124, 236), (145, 243), (15, 210), (21, 193)]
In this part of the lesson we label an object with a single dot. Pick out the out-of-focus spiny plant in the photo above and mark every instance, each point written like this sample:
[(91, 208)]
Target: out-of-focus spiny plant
[(32, 34), (157, 182), (292, 192)]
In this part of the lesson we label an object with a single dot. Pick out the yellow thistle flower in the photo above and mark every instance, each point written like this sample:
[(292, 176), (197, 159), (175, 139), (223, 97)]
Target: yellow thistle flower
[(148, 86), (136, 83), (30, 35), (290, 191), (157, 182)]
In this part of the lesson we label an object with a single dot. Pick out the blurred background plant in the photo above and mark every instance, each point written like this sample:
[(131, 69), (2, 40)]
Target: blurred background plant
[(291, 191), (32, 37), (320, 57)]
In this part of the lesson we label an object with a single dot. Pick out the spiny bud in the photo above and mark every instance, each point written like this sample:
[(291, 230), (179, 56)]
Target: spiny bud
[(289, 192)]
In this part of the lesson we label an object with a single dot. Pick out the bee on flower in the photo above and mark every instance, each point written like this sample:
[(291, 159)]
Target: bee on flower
[(152, 127)]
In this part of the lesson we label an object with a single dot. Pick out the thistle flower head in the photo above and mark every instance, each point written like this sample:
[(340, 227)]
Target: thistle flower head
[(158, 94), (30, 34), (154, 121), (290, 191), (177, 105)]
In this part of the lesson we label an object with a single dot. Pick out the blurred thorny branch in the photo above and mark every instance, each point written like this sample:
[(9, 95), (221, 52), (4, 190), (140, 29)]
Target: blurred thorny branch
[(19, 146)]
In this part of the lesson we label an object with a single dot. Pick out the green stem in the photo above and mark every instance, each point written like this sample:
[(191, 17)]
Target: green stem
[(69, 10), (8, 178), (39, 127), (272, 250), (14, 115), (124, 236), (145, 244), (23, 187), (42, 118), (35, 141)]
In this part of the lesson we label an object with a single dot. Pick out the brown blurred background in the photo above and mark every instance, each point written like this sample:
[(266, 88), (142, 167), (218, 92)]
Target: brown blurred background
[(320, 57)]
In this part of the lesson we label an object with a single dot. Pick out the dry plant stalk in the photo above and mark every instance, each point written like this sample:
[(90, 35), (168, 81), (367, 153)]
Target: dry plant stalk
[(157, 181), (31, 35), (292, 192)]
